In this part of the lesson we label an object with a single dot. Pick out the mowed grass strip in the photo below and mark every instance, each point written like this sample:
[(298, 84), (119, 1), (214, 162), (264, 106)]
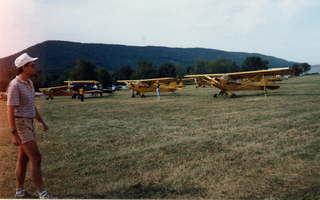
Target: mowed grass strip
[(186, 145)]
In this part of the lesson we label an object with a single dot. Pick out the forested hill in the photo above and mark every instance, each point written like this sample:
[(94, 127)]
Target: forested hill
[(58, 56)]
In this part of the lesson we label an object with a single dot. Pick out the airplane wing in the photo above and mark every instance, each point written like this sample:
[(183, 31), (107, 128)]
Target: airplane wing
[(268, 72), (63, 87), (83, 82), (190, 79), (59, 87), (249, 74), (126, 81), (202, 79), (92, 91), (203, 75), (152, 80), (169, 79)]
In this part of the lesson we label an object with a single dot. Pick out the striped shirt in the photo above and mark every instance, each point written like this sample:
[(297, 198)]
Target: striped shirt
[(21, 95)]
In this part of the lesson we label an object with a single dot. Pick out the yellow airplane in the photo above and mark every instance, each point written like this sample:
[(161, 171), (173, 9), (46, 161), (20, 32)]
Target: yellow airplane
[(276, 78), (72, 89), (230, 82), (57, 91), (90, 86), (150, 85)]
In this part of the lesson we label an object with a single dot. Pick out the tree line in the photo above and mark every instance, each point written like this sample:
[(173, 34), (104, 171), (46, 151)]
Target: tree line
[(87, 70)]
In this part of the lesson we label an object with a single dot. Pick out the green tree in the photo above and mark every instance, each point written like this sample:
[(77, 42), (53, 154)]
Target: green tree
[(104, 77), (123, 73), (252, 63), (222, 66), (84, 70), (181, 71), (201, 67), (167, 70), (50, 78), (306, 67), (61, 78), (145, 70), (190, 70), (300, 68), (39, 80)]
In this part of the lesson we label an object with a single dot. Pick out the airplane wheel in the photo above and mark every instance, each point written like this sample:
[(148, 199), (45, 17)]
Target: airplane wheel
[(215, 95), (233, 96)]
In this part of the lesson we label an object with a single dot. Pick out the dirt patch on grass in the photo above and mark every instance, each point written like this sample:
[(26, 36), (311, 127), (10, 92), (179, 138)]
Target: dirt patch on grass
[(7, 156)]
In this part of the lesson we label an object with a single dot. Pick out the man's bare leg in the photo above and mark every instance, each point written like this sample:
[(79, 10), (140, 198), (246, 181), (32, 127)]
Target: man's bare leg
[(21, 168), (32, 151)]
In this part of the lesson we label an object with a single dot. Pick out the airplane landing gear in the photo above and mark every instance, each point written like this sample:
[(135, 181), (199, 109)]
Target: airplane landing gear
[(49, 98), (221, 93), (233, 95)]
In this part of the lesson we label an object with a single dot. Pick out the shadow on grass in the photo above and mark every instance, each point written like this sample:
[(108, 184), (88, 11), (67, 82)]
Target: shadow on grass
[(284, 191), (301, 94), (254, 95), (96, 97), (276, 95), (312, 192), (150, 96), (139, 191)]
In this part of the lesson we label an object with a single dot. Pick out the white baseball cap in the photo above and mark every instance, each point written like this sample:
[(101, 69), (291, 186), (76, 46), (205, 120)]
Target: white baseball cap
[(23, 59)]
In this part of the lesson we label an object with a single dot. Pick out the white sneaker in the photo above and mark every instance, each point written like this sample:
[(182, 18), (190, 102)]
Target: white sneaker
[(44, 195), (21, 193)]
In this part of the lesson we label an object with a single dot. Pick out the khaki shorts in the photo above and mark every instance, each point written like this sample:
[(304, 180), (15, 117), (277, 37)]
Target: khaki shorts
[(25, 128)]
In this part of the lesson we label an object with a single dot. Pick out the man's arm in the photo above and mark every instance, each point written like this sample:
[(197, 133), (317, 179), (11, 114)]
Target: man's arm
[(10, 112), (40, 120), (12, 125)]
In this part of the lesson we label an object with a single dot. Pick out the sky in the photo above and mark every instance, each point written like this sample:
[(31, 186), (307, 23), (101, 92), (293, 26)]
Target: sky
[(288, 29)]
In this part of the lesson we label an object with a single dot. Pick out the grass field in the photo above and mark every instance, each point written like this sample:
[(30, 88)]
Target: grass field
[(186, 145)]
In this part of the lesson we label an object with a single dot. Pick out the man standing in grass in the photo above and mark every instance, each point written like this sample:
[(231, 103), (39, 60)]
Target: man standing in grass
[(132, 90), (158, 89), (81, 92), (22, 111)]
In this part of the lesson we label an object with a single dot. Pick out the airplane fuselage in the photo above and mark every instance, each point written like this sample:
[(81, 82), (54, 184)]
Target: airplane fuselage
[(141, 88)]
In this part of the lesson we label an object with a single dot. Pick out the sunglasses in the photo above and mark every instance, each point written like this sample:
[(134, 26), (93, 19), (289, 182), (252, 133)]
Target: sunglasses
[(32, 64)]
